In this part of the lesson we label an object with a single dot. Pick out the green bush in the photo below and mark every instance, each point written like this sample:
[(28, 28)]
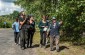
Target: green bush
[(73, 17), (1, 25), (8, 25)]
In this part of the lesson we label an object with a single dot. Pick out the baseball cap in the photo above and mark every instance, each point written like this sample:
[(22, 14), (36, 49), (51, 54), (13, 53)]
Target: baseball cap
[(53, 18)]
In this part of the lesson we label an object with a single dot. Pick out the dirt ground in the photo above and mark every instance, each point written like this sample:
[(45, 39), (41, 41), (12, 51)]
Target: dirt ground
[(8, 47)]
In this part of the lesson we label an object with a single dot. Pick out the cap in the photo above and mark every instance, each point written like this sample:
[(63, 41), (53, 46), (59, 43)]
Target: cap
[(30, 14), (53, 18)]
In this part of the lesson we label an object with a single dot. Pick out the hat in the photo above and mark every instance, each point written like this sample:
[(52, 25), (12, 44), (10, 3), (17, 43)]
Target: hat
[(29, 15), (53, 18)]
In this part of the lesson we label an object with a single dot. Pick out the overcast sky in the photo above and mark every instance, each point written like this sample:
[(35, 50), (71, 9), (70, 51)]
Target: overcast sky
[(7, 7)]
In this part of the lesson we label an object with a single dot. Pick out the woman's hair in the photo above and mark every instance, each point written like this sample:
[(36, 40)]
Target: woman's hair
[(17, 19), (21, 13), (29, 16), (43, 15)]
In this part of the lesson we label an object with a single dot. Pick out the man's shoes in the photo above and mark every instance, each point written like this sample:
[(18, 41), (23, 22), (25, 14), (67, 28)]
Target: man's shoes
[(58, 50), (27, 46), (30, 46), (22, 48), (40, 46), (45, 46), (51, 49)]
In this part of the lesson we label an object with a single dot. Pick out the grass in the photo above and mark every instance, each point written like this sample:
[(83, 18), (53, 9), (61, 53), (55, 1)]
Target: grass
[(66, 48)]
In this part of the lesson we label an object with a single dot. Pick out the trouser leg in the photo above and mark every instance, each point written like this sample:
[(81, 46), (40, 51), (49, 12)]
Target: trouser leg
[(22, 38), (19, 38), (18, 35), (57, 42), (41, 38), (31, 38), (15, 37), (44, 38), (47, 38), (28, 38), (51, 42)]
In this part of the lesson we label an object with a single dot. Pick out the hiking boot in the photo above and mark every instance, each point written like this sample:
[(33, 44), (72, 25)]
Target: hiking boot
[(51, 49), (23, 48), (58, 50), (40, 46)]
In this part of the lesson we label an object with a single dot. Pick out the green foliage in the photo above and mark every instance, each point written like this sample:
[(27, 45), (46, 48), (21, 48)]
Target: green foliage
[(8, 22), (14, 15), (1, 25), (71, 12), (38, 7), (9, 19)]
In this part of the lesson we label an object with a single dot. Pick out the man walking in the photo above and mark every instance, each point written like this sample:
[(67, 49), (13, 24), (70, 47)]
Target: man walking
[(23, 30), (54, 33)]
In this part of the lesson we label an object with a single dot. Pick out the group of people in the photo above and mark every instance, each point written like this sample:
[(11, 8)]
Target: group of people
[(24, 29)]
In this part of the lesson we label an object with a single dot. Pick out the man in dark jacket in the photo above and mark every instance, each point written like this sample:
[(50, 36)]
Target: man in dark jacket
[(22, 21)]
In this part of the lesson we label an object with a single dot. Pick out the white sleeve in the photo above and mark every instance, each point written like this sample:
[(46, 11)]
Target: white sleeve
[(59, 22), (13, 24)]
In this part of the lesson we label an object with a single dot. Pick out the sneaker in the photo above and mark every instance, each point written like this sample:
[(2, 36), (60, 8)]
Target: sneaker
[(45, 46), (40, 46), (30, 46), (27, 46), (22, 48), (51, 49), (58, 50)]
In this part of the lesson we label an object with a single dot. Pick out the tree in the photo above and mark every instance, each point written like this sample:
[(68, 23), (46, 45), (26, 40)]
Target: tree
[(14, 15), (72, 12)]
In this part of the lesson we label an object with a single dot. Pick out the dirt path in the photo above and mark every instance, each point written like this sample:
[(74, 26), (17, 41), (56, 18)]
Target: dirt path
[(8, 47)]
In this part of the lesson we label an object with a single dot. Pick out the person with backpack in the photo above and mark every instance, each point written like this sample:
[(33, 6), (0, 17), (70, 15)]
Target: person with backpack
[(15, 27), (43, 26), (23, 30), (54, 33)]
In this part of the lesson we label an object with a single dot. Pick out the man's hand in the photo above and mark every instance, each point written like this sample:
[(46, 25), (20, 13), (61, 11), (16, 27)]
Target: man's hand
[(21, 23), (60, 22), (46, 26), (43, 26)]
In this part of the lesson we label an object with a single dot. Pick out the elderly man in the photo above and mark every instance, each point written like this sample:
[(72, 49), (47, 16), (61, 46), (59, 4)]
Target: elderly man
[(54, 33)]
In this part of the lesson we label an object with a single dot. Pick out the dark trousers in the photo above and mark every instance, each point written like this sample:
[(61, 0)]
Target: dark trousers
[(30, 38), (23, 37), (16, 37), (43, 38)]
